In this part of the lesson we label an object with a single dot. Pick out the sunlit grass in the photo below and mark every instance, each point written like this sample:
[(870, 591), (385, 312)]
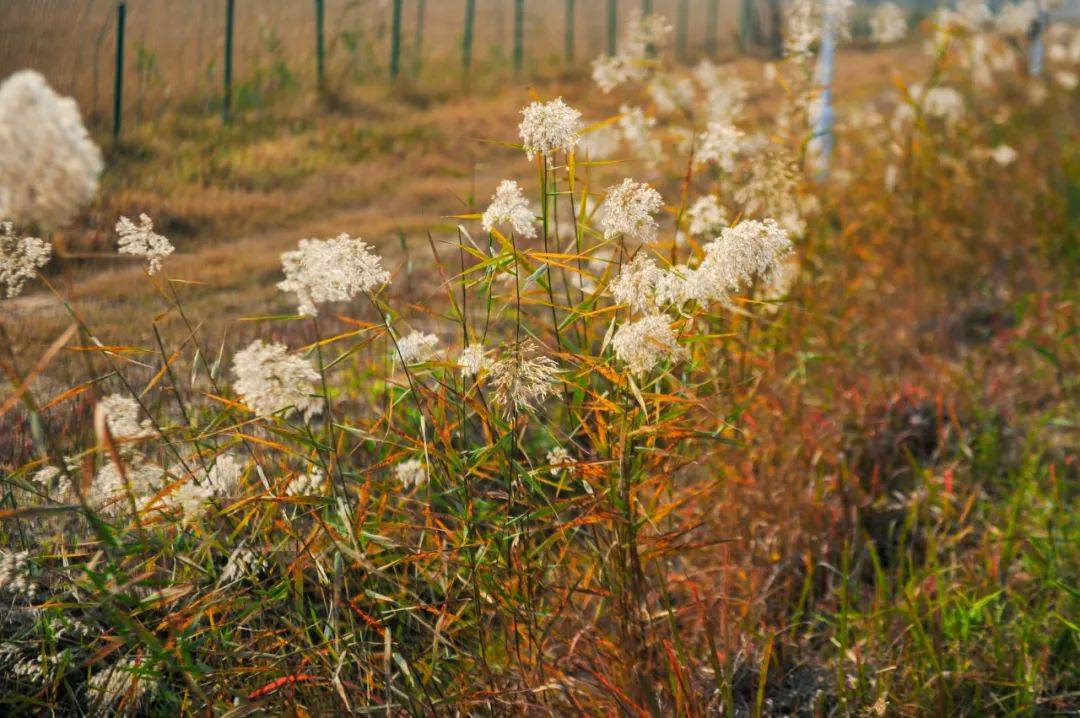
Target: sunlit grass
[(847, 490)]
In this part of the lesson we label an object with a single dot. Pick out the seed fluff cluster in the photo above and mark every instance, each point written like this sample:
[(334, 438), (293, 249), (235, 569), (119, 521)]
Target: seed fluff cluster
[(20, 259), (644, 343), (120, 689), (243, 564), (637, 131), (547, 127), (310, 484), (49, 166), (140, 240), (523, 377), (122, 415), (643, 33), (509, 207), (747, 252), (15, 573), (417, 347), (888, 23), (411, 473), (223, 478), (637, 282), (628, 210), (473, 360), (719, 145), (269, 379), (111, 484), (330, 270), (558, 459), (706, 216)]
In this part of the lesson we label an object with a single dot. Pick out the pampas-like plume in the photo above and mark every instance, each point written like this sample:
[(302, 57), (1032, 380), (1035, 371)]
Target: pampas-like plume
[(49, 166)]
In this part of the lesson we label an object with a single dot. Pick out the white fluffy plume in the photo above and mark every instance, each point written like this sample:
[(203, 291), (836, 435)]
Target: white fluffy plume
[(49, 166)]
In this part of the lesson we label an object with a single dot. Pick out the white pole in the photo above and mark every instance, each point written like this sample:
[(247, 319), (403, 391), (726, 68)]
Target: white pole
[(823, 115), (1036, 48)]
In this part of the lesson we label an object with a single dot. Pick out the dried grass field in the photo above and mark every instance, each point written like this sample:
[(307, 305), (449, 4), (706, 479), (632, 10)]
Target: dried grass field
[(611, 388)]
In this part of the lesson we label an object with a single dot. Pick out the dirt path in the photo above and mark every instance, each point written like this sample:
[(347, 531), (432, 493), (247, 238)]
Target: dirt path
[(222, 282)]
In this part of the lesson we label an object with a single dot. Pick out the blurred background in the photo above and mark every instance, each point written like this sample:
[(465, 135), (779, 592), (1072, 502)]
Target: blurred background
[(175, 52)]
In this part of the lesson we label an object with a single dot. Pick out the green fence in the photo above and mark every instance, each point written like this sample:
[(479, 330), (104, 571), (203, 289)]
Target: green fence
[(227, 55)]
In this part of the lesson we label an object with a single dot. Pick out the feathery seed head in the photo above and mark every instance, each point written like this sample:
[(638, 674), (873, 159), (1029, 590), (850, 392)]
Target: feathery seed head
[(243, 564), (330, 270), (636, 284), (509, 207), (523, 378), (943, 102), (472, 360), (122, 415), (411, 473), (671, 93), (706, 217), (644, 343), (120, 689), (190, 499), (20, 259), (223, 478), (549, 127), (557, 459), (610, 71), (49, 166), (974, 14), (888, 23), (1003, 155), (311, 484), (417, 347), (15, 573), (644, 32), (628, 210), (1016, 18), (719, 144), (749, 250), (636, 128), (140, 240), (109, 485), (269, 379)]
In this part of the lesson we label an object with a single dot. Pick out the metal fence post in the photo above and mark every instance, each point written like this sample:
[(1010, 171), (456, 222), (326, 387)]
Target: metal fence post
[(519, 34), (712, 23), (395, 41), (682, 24), (646, 10), (320, 43), (418, 36), (569, 30), (1036, 48), (748, 24), (467, 37), (612, 21), (226, 102), (118, 78)]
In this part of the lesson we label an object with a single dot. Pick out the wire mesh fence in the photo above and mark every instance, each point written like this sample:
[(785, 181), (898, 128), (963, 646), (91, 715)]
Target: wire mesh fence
[(175, 54)]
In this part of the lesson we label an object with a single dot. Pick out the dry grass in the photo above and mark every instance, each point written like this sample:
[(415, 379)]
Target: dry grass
[(381, 167), (862, 503)]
